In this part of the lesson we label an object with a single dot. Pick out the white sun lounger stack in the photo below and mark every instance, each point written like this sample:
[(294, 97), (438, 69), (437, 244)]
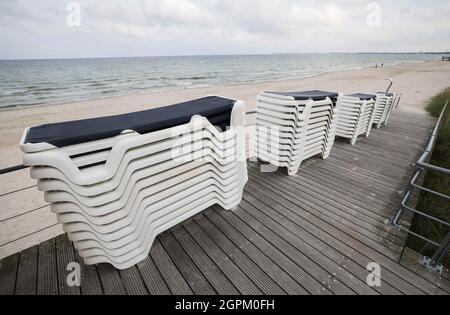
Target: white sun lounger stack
[(116, 182), (294, 126), (356, 116), (383, 108)]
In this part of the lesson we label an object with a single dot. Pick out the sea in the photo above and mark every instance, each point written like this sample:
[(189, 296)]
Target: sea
[(34, 82)]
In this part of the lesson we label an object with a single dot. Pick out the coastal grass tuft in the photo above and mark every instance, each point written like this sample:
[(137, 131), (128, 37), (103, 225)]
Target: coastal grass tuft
[(429, 203)]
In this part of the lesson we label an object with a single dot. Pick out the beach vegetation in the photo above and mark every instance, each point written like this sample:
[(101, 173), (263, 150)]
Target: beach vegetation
[(431, 204)]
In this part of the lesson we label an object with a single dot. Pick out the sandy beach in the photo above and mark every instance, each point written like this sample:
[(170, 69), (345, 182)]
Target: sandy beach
[(417, 82)]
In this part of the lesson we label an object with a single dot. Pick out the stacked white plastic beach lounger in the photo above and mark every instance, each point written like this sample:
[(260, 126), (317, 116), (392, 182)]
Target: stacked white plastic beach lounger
[(294, 126), (356, 116), (116, 182), (383, 108)]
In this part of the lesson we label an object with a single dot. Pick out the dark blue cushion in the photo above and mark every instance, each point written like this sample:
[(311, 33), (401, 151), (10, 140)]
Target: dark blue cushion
[(216, 109), (314, 95), (363, 97)]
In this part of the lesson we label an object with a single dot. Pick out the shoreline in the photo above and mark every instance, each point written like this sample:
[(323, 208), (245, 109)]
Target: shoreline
[(416, 81), (179, 88)]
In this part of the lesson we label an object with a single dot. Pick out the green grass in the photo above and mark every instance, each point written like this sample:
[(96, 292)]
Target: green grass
[(428, 203)]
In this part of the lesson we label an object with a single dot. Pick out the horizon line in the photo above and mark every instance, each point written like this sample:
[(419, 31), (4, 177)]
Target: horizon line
[(219, 55)]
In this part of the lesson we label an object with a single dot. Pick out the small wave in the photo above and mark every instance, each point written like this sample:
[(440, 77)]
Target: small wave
[(22, 104), (48, 89), (97, 84), (193, 78), (14, 93)]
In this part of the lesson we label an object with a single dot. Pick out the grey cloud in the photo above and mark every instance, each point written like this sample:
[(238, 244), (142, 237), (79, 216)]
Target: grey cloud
[(168, 27)]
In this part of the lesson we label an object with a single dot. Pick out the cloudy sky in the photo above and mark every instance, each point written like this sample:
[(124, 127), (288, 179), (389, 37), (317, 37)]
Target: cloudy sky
[(115, 28)]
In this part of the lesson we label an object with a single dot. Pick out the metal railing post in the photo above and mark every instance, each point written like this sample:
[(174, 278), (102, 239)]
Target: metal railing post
[(391, 82), (434, 263)]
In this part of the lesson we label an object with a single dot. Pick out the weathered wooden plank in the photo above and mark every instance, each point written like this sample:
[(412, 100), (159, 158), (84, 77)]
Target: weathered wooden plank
[(355, 191), (185, 265), (64, 256), (20, 202), (254, 271), (390, 133), (399, 156), (240, 280), (330, 274), (18, 227), (111, 281), (377, 148), (354, 175), (398, 273), (308, 273), (344, 209), (380, 181), (16, 181), (90, 279), (367, 210), (384, 213), (282, 229), (369, 170), (31, 240), (153, 280), (269, 258), (132, 281), (305, 226), (27, 272), (47, 277), (328, 213), (352, 180), (8, 274), (359, 193), (381, 168), (376, 139), (174, 280), (361, 216), (212, 273), (412, 259)]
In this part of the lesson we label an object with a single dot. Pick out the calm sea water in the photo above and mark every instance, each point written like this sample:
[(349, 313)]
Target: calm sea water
[(31, 82)]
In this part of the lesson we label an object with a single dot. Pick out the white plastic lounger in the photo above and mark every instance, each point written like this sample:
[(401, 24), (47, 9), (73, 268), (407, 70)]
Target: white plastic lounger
[(356, 116), (383, 108), (116, 182), (294, 126)]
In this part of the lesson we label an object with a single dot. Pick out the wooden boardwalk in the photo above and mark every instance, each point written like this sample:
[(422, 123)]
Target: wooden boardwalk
[(314, 233)]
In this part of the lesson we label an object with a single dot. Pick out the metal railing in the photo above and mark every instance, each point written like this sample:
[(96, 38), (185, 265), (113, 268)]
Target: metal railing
[(11, 169), (422, 166), (397, 101)]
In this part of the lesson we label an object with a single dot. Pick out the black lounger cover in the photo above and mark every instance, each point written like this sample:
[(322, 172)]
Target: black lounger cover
[(364, 97), (216, 109), (314, 95)]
